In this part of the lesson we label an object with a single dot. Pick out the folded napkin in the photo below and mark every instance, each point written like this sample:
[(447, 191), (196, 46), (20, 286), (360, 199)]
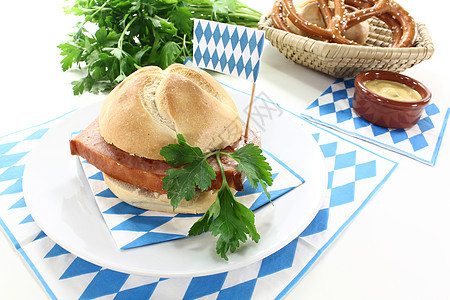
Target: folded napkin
[(354, 175), (421, 142), (133, 227)]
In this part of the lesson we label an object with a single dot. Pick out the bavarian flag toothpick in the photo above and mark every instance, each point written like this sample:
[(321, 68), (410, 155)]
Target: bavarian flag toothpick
[(230, 49)]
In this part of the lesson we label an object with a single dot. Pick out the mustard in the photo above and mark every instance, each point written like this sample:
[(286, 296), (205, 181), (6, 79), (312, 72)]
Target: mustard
[(392, 90)]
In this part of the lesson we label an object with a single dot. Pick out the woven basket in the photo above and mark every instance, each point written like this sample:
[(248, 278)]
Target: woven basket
[(349, 60)]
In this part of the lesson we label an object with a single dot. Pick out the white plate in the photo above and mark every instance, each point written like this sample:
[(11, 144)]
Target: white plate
[(62, 204)]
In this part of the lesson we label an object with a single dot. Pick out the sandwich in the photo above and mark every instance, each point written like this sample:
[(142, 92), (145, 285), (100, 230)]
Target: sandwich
[(147, 112)]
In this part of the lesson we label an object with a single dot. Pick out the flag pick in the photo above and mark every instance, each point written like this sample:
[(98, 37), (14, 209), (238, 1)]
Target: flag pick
[(229, 49)]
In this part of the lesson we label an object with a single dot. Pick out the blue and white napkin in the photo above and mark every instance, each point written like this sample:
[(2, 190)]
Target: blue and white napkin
[(354, 175), (133, 227), (421, 142)]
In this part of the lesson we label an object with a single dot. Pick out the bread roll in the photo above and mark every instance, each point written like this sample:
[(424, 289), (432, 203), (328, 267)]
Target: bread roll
[(150, 200), (150, 107)]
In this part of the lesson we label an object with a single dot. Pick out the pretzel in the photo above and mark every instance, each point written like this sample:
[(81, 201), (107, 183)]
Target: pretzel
[(393, 15)]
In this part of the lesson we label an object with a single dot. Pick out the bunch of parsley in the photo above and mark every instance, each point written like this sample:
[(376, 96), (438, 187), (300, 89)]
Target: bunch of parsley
[(227, 218), (129, 34)]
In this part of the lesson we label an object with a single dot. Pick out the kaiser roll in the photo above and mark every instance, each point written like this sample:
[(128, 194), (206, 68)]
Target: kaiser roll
[(150, 107)]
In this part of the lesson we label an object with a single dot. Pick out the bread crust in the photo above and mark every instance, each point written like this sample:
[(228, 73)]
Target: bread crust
[(150, 107)]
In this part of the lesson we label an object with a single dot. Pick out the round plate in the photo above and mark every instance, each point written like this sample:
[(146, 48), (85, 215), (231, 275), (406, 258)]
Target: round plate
[(62, 204)]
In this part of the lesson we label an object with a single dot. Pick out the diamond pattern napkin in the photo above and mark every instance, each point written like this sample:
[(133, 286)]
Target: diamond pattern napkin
[(133, 227), (421, 142), (354, 175)]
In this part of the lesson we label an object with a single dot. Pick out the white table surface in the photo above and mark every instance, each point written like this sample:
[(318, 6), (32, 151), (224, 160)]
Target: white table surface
[(398, 247)]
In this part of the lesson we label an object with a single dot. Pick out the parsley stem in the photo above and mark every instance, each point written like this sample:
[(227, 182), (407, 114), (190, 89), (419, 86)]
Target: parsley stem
[(120, 42), (222, 171)]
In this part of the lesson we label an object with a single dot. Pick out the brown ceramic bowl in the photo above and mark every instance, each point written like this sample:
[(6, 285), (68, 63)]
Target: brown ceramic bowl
[(387, 112)]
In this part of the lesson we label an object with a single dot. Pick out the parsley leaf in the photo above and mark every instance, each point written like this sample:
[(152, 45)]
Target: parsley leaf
[(227, 219), (181, 183), (254, 165), (135, 33)]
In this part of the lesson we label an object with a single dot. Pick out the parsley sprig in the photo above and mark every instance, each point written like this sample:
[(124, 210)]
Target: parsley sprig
[(227, 218), (117, 37)]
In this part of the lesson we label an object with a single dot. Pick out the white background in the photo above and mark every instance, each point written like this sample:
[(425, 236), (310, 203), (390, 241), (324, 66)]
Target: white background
[(398, 247)]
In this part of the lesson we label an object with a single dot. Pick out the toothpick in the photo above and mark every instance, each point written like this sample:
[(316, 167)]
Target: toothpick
[(250, 109)]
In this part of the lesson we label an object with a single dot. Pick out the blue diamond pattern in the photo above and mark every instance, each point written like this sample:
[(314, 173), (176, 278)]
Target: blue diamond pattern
[(260, 46), (57, 250), (140, 292), (329, 149), (252, 43), (234, 39), (11, 159), (208, 33), (425, 124), (19, 204), (378, 130), (215, 58), (339, 95), (349, 83), (106, 194), (360, 122), (431, 124), (315, 103), (418, 142), (197, 56), (206, 57), (342, 194), (16, 187), (327, 109), (152, 238), (344, 115), (248, 68), (142, 223), (37, 134), (256, 71), (318, 224), (28, 219), (106, 282), (231, 64), (329, 90), (330, 179), (40, 235), (123, 208), (198, 31), (345, 160), (243, 41), (398, 135), (316, 136), (205, 285), (244, 290), (225, 37), (366, 170), (11, 173), (231, 44), (432, 109), (223, 61), (240, 65), (4, 148), (279, 260), (79, 267), (216, 35), (97, 176)]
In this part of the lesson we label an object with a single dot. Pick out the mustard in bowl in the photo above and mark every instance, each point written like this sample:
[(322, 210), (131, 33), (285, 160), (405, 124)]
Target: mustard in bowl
[(389, 99)]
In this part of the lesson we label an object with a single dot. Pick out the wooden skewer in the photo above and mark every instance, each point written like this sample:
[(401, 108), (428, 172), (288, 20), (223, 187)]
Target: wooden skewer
[(250, 110)]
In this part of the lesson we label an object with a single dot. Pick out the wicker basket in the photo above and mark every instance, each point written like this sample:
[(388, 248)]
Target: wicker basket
[(348, 60)]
